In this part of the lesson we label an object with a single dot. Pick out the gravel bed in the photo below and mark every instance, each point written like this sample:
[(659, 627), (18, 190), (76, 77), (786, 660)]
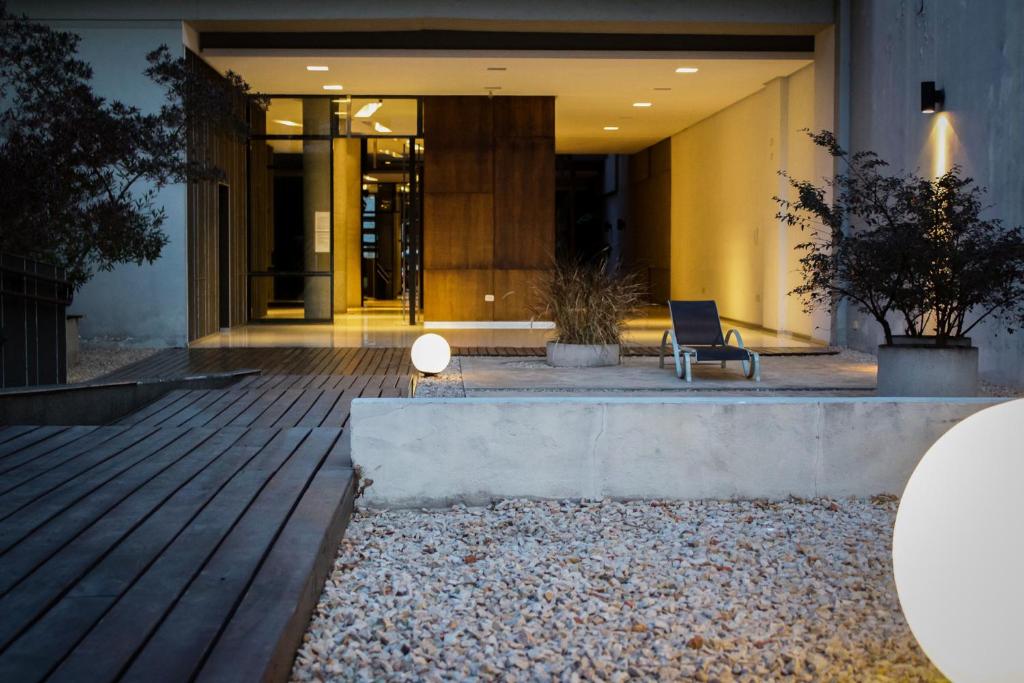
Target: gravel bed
[(715, 591), (98, 358), (446, 384)]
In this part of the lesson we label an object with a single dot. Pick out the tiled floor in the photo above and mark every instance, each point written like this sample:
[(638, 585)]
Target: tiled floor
[(387, 327)]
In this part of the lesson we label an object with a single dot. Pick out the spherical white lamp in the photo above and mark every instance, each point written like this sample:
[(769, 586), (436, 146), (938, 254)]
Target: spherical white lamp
[(958, 548), (431, 353)]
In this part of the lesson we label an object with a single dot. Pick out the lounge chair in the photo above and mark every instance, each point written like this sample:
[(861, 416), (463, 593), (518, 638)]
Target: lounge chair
[(696, 336)]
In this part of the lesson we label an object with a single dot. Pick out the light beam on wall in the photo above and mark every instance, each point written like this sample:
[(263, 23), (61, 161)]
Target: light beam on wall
[(941, 140)]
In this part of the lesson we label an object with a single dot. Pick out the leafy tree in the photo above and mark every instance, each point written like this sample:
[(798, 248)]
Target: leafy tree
[(81, 173), (917, 249)]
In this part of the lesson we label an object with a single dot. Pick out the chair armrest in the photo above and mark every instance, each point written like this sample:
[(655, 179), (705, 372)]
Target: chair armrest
[(739, 339)]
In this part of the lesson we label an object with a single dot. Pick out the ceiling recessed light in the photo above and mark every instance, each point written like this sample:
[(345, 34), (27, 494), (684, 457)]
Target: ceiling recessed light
[(663, 89), (497, 68), (334, 87), (687, 70), (611, 127), (286, 122), (368, 109), (314, 67), (492, 87), (642, 104), (380, 127)]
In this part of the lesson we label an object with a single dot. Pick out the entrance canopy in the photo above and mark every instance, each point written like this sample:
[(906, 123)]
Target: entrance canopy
[(595, 95)]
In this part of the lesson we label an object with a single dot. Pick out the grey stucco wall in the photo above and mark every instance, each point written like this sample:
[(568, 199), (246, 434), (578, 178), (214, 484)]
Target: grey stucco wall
[(974, 49), (147, 303)]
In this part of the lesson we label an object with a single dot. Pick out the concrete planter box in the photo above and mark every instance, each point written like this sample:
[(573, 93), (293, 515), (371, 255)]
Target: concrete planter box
[(915, 366), (582, 355), (436, 452)]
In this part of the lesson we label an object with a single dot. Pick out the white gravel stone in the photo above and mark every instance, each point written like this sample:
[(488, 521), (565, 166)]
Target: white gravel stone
[(608, 591), (445, 384), (99, 357)]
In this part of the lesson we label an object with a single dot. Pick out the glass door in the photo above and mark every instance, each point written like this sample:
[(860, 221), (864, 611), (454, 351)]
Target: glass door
[(391, 222), (290, 267)]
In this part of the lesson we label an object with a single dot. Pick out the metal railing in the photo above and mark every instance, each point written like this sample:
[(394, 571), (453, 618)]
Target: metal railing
[(33, 338)]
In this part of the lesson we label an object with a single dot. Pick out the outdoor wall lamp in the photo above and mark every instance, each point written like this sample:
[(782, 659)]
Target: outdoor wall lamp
[(932, 98)]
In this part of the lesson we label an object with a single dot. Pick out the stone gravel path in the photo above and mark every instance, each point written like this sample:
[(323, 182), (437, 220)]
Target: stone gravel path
[(709, 591)]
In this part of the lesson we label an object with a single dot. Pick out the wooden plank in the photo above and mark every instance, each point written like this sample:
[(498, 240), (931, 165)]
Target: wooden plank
[(16, 462), (34, 548), (8, 433), (116, 637), (128, 548), (55, 463), (41, 588), (178, 647), (278, 408), (25, 440), (260, 641), (93, 470), (163, 403)]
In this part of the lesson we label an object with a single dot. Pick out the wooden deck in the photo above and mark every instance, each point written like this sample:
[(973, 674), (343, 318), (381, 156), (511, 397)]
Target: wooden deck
[(189, 541)]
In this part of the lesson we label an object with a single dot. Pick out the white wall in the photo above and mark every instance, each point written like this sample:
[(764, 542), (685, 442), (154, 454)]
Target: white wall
[(726, 243), (147, 303)]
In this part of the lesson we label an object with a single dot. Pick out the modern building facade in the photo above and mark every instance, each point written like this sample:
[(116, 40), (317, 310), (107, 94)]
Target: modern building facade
[(443, 154)]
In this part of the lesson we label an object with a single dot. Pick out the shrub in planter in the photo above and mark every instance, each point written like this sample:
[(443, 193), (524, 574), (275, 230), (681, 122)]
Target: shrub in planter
[(589, 306), (909, 251)]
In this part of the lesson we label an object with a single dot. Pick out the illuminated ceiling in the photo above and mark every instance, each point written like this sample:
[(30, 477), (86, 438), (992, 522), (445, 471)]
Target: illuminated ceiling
[(592, 92)]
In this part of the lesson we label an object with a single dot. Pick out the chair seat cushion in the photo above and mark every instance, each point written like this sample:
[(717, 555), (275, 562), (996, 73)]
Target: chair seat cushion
[(720, 353)]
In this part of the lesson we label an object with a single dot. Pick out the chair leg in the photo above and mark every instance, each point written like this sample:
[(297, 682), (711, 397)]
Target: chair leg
[(689, 369), (752, 368), (661, 351)]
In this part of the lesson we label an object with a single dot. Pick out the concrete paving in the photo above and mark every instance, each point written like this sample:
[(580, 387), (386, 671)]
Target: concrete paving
[(843, 374)]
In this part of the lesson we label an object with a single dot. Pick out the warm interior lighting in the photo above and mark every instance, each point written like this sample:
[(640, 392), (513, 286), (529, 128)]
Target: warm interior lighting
[(369, 109), (370, 178), (642, 104), (314, 67), (957, 568), (286, 122), (687, 70), (430, 353), (611, 127), (334, 87), (380, 127)]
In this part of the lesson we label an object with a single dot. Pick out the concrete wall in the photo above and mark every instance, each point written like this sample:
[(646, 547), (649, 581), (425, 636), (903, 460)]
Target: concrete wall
[(439, 451), (975, 51), (148, 303), (726, 243), (447, 13)]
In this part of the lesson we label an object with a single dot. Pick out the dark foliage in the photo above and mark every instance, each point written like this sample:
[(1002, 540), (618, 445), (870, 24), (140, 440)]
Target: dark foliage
[(915, 249), (81, 173)]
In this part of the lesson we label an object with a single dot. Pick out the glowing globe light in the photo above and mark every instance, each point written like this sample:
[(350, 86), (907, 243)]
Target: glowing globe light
[(431, 353), (958, 548)]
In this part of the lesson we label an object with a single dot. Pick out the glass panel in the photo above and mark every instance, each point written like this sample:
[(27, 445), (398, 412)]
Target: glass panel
[(291, 226), (384, 116), (299, 116), (284, 297)]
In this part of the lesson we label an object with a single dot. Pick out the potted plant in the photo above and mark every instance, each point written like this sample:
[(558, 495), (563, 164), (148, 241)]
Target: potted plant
[(589, 305), (911, 252)]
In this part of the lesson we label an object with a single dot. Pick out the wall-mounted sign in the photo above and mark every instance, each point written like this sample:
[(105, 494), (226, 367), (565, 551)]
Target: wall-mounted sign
[(322, 226)]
